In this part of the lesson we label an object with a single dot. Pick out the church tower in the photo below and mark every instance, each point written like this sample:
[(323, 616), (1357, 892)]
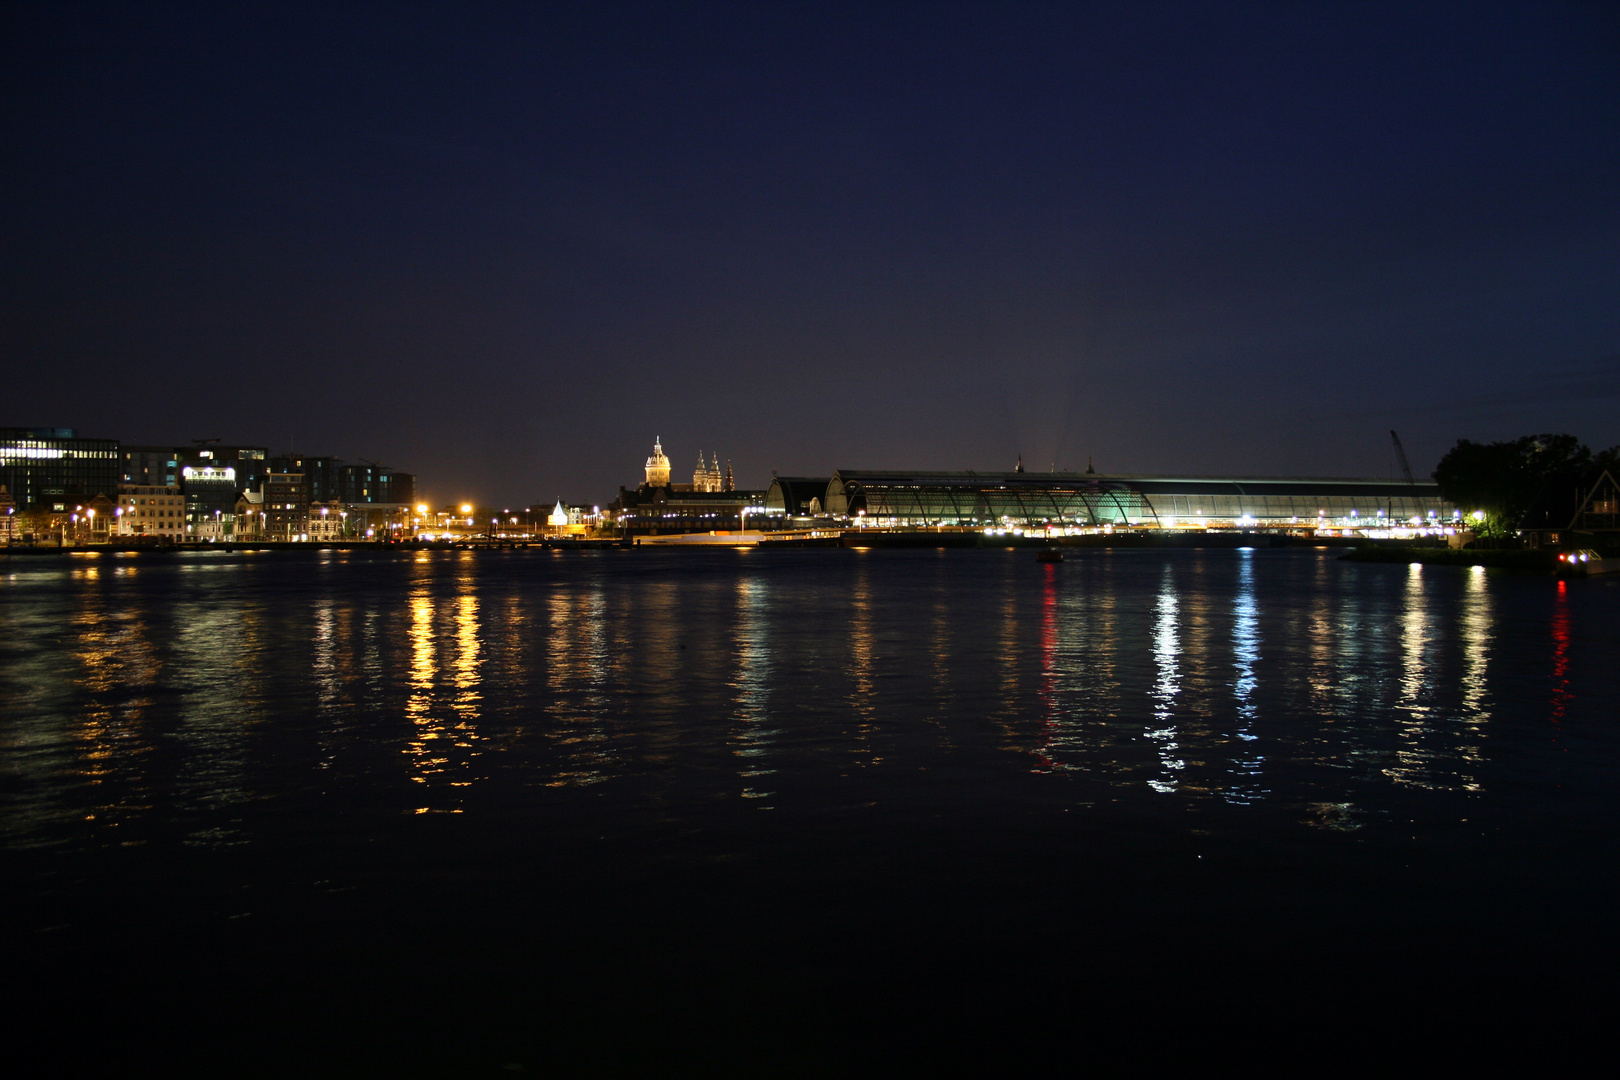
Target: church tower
[(658, 466), (706, 477)]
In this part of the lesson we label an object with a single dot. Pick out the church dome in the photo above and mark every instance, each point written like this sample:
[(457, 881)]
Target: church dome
[(658, 466)]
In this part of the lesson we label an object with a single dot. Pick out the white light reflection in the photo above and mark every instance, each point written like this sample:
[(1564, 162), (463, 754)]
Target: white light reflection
[(1412, 759), (1166, 654), (1246, 653), (1476, 628)]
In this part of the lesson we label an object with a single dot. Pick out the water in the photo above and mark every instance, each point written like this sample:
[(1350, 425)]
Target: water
[(809, 811)]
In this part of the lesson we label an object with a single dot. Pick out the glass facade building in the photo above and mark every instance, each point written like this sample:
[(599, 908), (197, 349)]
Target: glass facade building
[(52, 469), (1086, 500)]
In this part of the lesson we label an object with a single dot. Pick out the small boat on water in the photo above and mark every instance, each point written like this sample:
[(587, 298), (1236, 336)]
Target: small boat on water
[(1050, 554), (1584, 562)]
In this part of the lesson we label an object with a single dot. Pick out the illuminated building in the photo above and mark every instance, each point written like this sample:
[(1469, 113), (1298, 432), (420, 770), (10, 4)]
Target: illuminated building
[(249, 512), (326, 521), (1092, 501), (573, 520), (155, 511), (52, 469), (250, 463), (659, 510), (210, 492), (285, 507), (657, 467), (709, 503), (707, 477)]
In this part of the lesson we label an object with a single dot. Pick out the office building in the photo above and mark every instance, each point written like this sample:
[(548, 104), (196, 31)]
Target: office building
[(53, 469)]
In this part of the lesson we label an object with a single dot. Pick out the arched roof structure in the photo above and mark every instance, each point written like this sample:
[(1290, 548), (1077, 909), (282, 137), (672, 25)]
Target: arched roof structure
[(1086, 499)]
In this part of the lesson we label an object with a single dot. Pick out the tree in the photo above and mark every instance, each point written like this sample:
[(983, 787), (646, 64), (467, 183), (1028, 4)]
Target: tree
[(1502, 479)]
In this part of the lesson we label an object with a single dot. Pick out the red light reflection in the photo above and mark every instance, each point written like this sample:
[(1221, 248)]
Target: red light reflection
[(1560, 633)]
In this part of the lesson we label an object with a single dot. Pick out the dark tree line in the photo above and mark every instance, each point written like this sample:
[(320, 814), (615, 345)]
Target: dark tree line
[(1503, 479)]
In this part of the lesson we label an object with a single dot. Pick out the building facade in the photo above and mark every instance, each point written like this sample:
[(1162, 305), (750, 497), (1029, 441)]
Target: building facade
[(210, 492), (151, 511), (284, 509), (707, 476), (375, 485), (53, 469), (322, 474), (1092, 501)]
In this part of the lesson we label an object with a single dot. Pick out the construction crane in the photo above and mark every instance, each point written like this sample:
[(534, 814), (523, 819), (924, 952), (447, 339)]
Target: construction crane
[(1400, 456)]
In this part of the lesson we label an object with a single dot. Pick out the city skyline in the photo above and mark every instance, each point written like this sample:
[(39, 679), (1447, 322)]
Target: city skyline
[(504, 247)]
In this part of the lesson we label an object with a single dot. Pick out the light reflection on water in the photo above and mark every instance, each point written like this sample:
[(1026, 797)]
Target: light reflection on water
[(1166, 684), (172, 693), (751, 683), (582, 726), (1247, 761)]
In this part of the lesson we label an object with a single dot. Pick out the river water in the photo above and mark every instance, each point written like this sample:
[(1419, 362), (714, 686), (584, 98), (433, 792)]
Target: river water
[(801, 812)]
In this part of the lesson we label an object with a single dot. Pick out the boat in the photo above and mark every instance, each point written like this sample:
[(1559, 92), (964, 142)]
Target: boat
[(1050, 554), (1584, 562)]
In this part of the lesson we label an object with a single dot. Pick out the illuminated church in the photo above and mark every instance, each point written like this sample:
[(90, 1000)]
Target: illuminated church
[(658, 466), (710, 502), (707, 477)]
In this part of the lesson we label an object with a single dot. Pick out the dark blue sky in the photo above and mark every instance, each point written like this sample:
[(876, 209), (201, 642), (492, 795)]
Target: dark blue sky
[(503, 246)]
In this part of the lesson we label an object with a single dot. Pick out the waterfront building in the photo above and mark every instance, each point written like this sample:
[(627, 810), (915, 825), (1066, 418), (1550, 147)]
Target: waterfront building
[(150, 466), (284, 509), (8, 516), (1096, 501), (1573, 510), (53, 469), (327, 521), (375, 485), (249, 463), (709, 503), (797, 496), (93, 521), (249, 514), (566, 519), (658, 510), (151, 511), (321, 473), (210, 492)]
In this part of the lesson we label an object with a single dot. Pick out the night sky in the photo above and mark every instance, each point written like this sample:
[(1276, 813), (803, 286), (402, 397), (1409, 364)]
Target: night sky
[(504, 246)]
